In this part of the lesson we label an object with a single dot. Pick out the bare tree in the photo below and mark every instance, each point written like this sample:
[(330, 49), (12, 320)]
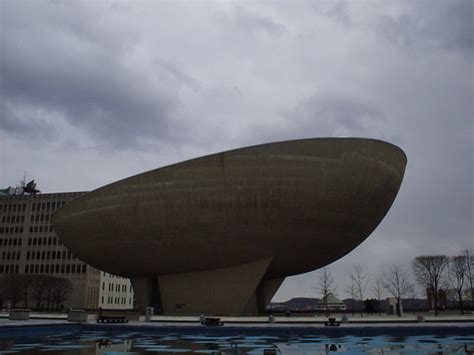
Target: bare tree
[(397, 283), (412, 295), (325, 285), (469, 258), (429, 271), (351, 291), (361, 280), (11, 288), (457, 275), (326, 282), (378, 290), (25, 286), (39, 288), (60, 289)]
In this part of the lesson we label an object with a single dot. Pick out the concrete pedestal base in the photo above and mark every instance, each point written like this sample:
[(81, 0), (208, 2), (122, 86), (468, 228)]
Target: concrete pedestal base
[(77, 315), (19, 314)]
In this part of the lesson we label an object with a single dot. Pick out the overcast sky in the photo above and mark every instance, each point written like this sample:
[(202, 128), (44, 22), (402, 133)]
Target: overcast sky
[(92, 92)]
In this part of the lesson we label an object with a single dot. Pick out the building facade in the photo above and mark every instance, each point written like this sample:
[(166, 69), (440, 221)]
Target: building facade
[(115, 292), (29, 246)]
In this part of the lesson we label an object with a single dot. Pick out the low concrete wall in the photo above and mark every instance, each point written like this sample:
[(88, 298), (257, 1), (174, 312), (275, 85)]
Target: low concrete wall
[(77, 315), (19, 314)]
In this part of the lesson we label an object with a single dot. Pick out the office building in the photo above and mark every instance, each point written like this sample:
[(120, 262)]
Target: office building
[(29, 246)]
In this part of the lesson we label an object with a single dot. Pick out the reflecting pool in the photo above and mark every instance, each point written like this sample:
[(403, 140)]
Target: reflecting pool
[(106, 342)]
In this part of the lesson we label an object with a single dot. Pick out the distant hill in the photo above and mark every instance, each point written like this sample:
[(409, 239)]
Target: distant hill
[(308, 304), (295, 304)]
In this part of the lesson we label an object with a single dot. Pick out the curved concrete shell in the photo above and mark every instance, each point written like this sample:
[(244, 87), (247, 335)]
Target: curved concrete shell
[(218, 234)]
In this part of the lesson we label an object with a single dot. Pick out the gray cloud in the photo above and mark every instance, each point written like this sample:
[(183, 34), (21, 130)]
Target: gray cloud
[(25, 122), (241, 20), (432, 25), (418, 25), (337, 114), (77, 71)]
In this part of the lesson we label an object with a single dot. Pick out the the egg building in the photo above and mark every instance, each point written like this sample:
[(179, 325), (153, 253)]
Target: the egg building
[(219, 234)]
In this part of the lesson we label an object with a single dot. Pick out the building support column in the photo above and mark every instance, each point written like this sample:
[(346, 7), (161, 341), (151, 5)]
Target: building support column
[(147, 293), (224, 291)]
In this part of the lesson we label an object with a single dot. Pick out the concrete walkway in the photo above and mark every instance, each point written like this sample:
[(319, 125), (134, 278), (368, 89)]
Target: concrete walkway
[(43, 319), (319, 319)]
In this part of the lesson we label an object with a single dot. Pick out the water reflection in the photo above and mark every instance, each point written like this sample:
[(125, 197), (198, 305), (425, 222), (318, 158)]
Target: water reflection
[(89, 343)]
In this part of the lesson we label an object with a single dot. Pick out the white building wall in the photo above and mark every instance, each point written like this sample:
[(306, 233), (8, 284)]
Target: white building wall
[(115, 292)]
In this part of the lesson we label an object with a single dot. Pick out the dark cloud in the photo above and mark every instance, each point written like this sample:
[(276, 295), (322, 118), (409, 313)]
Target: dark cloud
[(418, 25), (432, 25), (25, 122), (81, 73)]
